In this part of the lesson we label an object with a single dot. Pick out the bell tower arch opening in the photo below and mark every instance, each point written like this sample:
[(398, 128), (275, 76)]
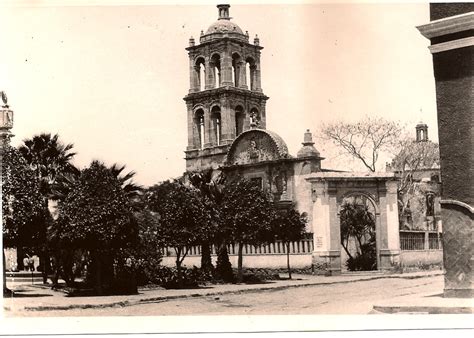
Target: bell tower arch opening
[(199, 127), (200, 70), (216, 125), (215, 65)]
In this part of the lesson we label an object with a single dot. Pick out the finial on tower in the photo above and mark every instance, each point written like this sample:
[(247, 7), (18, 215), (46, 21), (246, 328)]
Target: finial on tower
[(256, 41), (223, 11), (4, 99), (308, 138), (191, 41), (308, 149)]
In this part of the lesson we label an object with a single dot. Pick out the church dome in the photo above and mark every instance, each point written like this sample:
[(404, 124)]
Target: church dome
[(223, 27)]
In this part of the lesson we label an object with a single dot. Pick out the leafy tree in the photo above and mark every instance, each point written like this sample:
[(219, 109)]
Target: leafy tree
[(49, 158), (210, 186), (96, 215), (183, 218), (364, 140), (147, 253), (21, 204), (358, 222), (288, 226), (246, 214)]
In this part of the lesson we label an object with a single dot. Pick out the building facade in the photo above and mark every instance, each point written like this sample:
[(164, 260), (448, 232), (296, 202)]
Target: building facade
[(227, 132)]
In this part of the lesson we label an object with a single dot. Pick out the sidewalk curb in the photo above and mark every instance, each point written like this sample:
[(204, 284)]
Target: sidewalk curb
[(218, 293), (401, 309)]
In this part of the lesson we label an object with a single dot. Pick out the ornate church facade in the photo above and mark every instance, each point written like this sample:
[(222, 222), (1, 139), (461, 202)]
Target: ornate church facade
[(227, 132)]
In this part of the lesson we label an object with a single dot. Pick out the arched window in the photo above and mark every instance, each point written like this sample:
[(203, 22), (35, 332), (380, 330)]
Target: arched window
[(216, 70), (199, 121), (216, 125), (239, 120), (200, 70)]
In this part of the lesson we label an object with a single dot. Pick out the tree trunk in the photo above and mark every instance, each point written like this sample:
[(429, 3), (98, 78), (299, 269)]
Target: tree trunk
[(223, 266), (288, 259), (206, 260), (44, 264), (20, 254), (239, 264), (178, 268), (346, 250), (6, 291)]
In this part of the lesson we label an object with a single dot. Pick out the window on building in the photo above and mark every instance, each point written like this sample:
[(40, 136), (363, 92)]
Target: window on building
[(430, 201)]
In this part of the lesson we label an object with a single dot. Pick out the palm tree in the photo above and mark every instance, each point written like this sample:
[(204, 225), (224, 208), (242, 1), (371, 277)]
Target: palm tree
[(49, 158), (131, 189)]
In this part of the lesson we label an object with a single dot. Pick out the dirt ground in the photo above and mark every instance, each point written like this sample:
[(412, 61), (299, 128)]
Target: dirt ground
[(350, 298)]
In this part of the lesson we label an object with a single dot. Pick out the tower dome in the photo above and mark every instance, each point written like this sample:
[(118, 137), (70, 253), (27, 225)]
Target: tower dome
[(308, 148), (223, 27)]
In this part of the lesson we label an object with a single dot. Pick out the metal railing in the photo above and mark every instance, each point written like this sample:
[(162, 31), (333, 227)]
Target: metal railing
[(420, 240)]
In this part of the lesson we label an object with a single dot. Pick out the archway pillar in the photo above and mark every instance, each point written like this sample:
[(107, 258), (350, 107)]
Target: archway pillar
[(388, 231), (326, 258)]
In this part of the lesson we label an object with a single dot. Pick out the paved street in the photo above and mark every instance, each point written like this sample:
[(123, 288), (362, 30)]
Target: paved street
[(357, 297)]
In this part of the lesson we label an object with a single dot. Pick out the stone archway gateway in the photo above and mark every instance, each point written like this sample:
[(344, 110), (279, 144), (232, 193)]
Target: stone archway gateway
[(328, 191)]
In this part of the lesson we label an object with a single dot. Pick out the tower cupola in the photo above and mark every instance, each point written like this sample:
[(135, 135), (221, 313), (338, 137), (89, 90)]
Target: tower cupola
[(308, 148), (421, 132)]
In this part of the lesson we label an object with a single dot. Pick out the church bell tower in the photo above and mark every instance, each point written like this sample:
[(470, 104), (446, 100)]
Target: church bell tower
[(225, 96)]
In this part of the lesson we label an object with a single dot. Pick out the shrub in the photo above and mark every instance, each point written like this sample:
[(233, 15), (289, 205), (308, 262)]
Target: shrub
[(190, 278), (367, 260)]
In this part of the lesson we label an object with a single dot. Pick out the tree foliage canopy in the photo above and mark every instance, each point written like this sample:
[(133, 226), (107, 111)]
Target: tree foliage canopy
[(182, 215), (21, 201), (246, 212), (48, 157), (96, 213), (289, 225)]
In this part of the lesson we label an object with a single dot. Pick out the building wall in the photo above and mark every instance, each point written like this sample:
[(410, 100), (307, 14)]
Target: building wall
[(421, 257), (454, 73)]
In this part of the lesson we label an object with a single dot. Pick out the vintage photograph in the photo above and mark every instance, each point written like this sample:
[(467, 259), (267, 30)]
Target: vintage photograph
[(236, 159)]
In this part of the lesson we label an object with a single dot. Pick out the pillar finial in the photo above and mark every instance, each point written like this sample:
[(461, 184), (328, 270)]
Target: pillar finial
[(256, 40)]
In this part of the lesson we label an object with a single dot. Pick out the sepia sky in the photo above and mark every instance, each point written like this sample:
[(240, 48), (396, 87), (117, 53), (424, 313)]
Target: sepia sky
[(111, 79)]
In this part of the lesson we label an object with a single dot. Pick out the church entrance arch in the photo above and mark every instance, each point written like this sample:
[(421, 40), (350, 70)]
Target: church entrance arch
[(358, 214), (329, 192)]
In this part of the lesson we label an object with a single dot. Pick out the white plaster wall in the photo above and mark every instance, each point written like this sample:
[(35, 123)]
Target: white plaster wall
[(416, 257), (302, 197)]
